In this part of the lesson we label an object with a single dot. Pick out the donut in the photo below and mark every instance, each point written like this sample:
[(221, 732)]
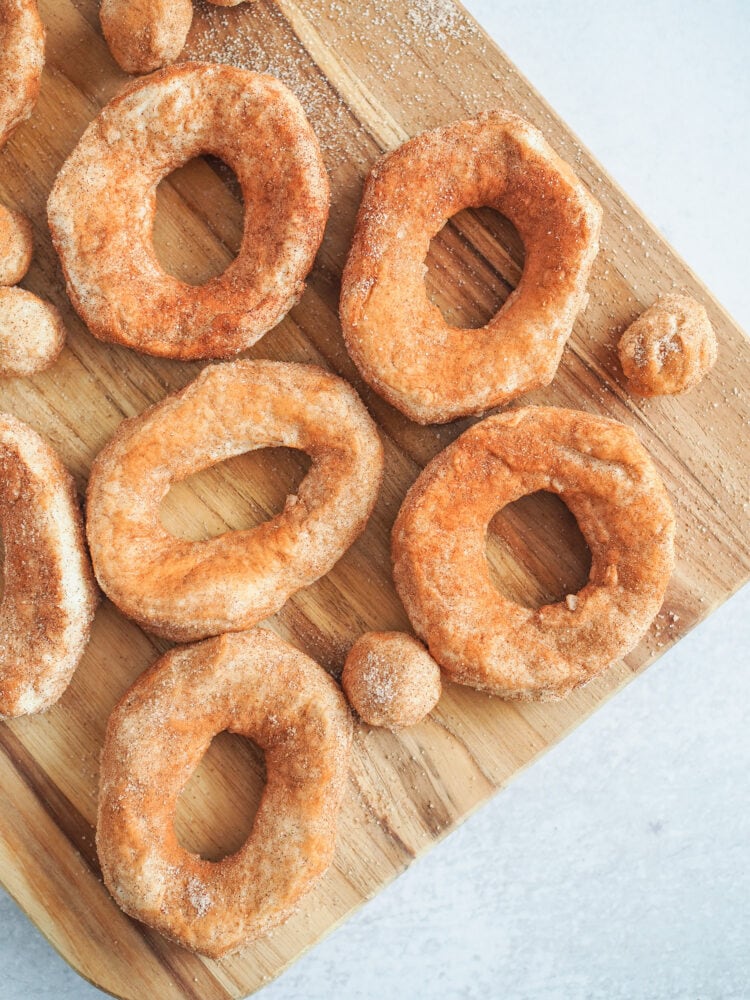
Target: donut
[(21, 62), (480, 638), (49, 596), (16, 246), (669, 348), (101, 210), (32, 333), (185, 590), (256, 685), (144, 36), (391, 680), (398, 339)]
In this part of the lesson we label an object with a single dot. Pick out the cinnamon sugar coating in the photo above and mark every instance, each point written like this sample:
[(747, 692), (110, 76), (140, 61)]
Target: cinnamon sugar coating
[(32, 333), (145, 36), (258, 686), (669, 348), (480, 638), (16, 246), (102, 206), (391, 680), (187, 590), (399, 340), (21, 62), (49, 596)]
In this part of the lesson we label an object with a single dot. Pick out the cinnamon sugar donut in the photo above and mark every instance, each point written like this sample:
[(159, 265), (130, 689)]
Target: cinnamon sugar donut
[(480, 638), (669, 348), (102, 206), (144, 36), (32, 333), (16, 246), (187, 590), (21, 62), (398, 339), (391, 680), (49, 596), (255, 685)]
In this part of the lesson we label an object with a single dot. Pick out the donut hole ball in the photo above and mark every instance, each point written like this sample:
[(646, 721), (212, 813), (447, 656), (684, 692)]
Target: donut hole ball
[(16, 246), (32, 333), (144, 36), (669, 348), (391, 680)]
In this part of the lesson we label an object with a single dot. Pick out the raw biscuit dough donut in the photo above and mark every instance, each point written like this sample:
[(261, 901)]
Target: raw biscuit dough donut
[(49, 596), (187, 590), (669, 348), (21, 62), (16, 246), (258, 686), (398, 339), (143, 35), (391, 680), (480, 638), (102, 206), (32, 333)]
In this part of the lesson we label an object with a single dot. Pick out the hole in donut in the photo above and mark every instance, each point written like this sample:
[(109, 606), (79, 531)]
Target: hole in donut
[(216, 809), (200, 243), (536, 552), (234, 495), (473, 265)]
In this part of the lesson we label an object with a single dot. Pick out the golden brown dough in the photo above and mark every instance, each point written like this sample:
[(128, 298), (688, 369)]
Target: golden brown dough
[(21, 62), (143, 35), (391, 680), (187, 590), (102, 206), (32, 333), (398, 339), (16, 246), (49, 595), (258, 686), (669, 348), (480, 638)]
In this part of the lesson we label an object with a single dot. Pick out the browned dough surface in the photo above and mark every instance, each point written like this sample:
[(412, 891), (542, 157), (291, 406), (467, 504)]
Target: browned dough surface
[(258, 686), (49, 595), (481, 638), (391, 680), (432, 371), (669, 348), (102, 206), (21, 62), (187, 590)]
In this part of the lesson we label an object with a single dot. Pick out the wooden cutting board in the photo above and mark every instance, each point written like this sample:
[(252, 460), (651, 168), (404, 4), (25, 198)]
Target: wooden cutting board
[(370, 74)]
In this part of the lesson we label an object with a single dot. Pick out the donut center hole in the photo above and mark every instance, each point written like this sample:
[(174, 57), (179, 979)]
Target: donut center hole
[(536, 552), (234, 495), (199, 220), (216, 808), (473, 265)]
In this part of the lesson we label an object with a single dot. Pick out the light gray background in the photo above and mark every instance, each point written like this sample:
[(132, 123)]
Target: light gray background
[(619, 866)]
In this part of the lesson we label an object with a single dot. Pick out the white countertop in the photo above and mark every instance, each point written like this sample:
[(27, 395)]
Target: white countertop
[(619, 865)]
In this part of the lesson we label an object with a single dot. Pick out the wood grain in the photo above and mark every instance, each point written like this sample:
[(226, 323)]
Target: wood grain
[(370, 74)]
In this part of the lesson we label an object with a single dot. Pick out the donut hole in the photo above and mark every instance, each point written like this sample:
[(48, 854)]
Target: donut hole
[(199, 244), (234, 495), (473, 265), (216, 808), (536, 552)]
